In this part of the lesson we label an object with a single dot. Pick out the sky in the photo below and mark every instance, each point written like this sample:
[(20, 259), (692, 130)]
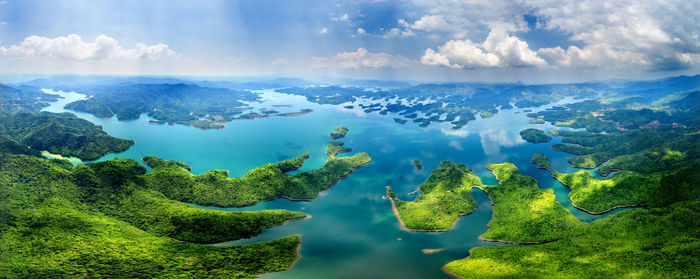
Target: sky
[(413, 40)]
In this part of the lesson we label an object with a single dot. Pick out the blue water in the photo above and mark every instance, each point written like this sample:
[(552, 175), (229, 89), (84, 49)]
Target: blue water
[(353, 232)]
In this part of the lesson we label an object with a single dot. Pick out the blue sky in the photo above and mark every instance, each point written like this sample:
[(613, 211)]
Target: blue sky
[(421, 40)]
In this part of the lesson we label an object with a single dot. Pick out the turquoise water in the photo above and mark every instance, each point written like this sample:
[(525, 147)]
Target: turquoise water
[(353, 232)]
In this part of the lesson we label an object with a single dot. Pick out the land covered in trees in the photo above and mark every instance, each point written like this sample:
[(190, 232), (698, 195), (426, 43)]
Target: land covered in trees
[(655, 169), (534, 135), (339, 132), (25, 130), (445, 195), (266, 182), (101, 220), (181, 103)]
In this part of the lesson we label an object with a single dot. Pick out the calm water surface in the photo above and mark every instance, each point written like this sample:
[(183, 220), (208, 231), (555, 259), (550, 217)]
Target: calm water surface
[(352, 232)]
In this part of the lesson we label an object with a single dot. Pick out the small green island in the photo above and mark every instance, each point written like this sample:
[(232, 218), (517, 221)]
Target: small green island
[(541, 161), (534, 135), (339, 132), (418, 164), (445, 195), (336, 147), (538, 120)]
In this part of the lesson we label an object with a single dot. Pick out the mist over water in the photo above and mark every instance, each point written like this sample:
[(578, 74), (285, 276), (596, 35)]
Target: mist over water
[(353, 232)]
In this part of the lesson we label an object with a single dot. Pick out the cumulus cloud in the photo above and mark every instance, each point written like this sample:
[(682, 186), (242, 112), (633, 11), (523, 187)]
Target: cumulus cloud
[(498, 50), (652, 35), (72, 47), (361, 58), (323, 31), (361, 31)]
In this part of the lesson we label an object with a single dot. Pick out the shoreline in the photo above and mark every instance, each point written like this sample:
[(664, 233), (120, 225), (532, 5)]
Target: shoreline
[(592, 212), (403, 225)]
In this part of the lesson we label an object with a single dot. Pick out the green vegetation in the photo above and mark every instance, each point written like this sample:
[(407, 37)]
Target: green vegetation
[(266, 182), (336, 147), (339, 132), (418, 164), (524, 213), (98, 220), (446, 195), (60, 133), (538, 120), (293, 164), (534, 135), (638, 243), (23, 99), (632, 188), (186, 104), (176, 103), (541, 161), (459, 102), (597, 148)]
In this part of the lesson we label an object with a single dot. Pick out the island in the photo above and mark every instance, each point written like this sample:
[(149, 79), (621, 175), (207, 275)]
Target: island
[(538, 120), (534, 135), (336, 147), (418, 164), (541, 161), (660, 177), (266, 182), (339, 132), (445, 195)]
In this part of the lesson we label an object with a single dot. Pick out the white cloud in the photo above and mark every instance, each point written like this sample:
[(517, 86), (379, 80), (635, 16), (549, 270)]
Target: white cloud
[(361, 31), (345, 17), (279, 62), (636, 34), (3, 22), (361, 58), (72, 47), (498, 50), (324, 30)]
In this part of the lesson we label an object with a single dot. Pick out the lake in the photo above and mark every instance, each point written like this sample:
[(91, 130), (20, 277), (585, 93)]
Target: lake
[(353, 232)]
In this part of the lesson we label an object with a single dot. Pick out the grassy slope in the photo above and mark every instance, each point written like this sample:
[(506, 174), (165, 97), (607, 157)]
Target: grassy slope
[(446, 195), (523, 212), (655, 243), (52, 227)]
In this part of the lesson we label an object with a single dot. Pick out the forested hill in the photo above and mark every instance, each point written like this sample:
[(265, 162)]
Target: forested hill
[(25, 130), (165, 102), (25, 98)]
